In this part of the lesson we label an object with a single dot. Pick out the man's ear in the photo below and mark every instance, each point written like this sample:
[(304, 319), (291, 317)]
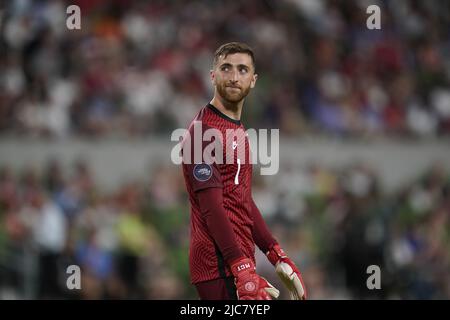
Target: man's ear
[(253, 83), (213, 77)]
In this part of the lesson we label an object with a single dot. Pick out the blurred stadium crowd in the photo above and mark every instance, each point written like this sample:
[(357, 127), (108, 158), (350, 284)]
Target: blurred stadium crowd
[(141, 68), (129, 244), (133, 243)]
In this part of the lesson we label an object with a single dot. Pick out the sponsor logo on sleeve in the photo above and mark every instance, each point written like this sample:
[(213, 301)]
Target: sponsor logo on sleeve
[(202, 172)]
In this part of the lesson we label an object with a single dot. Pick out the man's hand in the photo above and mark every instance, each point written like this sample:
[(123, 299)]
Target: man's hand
[(288, 272), (249, 285)]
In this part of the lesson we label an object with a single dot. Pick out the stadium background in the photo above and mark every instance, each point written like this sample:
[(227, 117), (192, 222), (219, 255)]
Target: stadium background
[(86, 117)]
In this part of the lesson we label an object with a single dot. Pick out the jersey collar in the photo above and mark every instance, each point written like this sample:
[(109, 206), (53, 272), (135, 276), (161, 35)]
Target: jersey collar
[(224, 116)]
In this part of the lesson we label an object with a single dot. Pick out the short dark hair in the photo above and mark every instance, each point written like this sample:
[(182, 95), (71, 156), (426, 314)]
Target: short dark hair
[(233, 47)]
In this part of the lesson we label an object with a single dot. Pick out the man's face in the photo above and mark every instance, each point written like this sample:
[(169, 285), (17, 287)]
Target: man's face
[(234, 76)]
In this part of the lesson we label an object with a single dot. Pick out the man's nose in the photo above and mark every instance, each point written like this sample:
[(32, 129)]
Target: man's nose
[(234, 76)]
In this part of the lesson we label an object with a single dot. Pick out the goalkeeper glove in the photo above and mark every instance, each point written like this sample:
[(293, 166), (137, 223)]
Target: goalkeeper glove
[(288, 272), (249, 285)]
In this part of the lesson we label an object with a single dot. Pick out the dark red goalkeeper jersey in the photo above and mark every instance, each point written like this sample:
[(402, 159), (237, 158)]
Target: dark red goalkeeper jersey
[(205, 259)]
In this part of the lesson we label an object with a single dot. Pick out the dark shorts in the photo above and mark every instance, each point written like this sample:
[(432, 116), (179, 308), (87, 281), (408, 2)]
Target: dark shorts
[(218, 289)]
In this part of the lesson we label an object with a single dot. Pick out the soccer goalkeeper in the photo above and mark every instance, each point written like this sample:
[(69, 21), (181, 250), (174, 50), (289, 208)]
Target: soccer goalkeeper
[(225, 222)]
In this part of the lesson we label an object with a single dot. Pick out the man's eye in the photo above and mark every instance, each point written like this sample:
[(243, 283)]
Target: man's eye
[(243, 70), (225, 68)]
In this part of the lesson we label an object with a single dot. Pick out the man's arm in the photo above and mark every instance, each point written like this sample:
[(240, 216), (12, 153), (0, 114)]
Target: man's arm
[(285, 267), (219, 226), (248, 284), (261, 234)]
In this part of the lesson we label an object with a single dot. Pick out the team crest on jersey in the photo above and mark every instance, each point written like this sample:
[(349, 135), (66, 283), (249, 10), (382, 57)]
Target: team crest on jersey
[(202, 172)]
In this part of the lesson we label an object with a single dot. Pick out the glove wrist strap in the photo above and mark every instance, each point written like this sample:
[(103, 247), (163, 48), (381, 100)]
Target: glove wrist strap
[(242, 265), (275, 253)]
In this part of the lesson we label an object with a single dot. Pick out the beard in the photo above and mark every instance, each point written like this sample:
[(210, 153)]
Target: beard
[(232, 95)]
